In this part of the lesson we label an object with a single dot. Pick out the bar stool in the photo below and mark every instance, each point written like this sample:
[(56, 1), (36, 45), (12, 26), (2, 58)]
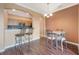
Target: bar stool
[(28, 36), (18, 36), (18, 40), (28, 39)]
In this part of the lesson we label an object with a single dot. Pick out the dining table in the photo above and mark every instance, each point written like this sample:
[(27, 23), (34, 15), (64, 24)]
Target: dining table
[(57, 36)]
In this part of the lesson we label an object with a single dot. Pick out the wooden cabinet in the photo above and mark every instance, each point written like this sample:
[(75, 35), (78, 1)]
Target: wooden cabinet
[(16, 18)]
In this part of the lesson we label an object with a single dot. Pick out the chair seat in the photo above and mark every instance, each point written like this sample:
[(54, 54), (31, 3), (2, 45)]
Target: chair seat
[(28, 33), (63, 39), (19, 35), (53, 38), (49, 37)]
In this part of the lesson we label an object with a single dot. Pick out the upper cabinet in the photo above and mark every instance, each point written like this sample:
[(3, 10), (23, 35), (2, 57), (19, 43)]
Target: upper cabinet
[(14, 17)]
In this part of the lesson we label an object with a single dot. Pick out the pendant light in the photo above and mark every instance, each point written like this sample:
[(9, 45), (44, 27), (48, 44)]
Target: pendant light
[(48, 14)]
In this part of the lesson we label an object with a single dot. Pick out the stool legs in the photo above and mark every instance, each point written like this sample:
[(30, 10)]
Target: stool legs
[(18, 43), (28, 42), (15, 42)]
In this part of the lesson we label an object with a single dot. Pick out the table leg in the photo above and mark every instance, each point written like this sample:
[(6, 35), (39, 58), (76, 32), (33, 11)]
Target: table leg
[(56, 44), (62, 46)]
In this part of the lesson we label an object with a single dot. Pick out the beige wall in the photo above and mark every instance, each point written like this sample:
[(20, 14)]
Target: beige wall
[(67, 20), (42, 27), (1, 29), (36, 26), (78, 27)]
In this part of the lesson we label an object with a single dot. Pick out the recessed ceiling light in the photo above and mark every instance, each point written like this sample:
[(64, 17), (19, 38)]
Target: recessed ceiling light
[(13, 9)]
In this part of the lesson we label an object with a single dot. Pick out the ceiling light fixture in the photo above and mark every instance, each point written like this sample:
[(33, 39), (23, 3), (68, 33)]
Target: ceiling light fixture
[(13, 9), (45, 14), (48, 14), (51, 14)]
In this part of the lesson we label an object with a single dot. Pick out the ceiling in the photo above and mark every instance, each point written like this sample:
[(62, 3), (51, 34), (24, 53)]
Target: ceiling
[(44, 8), (18, 13)]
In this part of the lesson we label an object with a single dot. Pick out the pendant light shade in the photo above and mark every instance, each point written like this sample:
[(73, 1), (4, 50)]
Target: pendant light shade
[(45, 15), (50, 14)]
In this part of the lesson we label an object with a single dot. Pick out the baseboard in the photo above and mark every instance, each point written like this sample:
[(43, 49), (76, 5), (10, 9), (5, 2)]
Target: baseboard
[(76, 44), (2, 50), (10, 46), (73, 46)]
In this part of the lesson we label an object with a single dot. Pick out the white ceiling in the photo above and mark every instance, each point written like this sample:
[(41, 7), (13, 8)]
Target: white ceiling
[(18, 13), (44, 8)]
